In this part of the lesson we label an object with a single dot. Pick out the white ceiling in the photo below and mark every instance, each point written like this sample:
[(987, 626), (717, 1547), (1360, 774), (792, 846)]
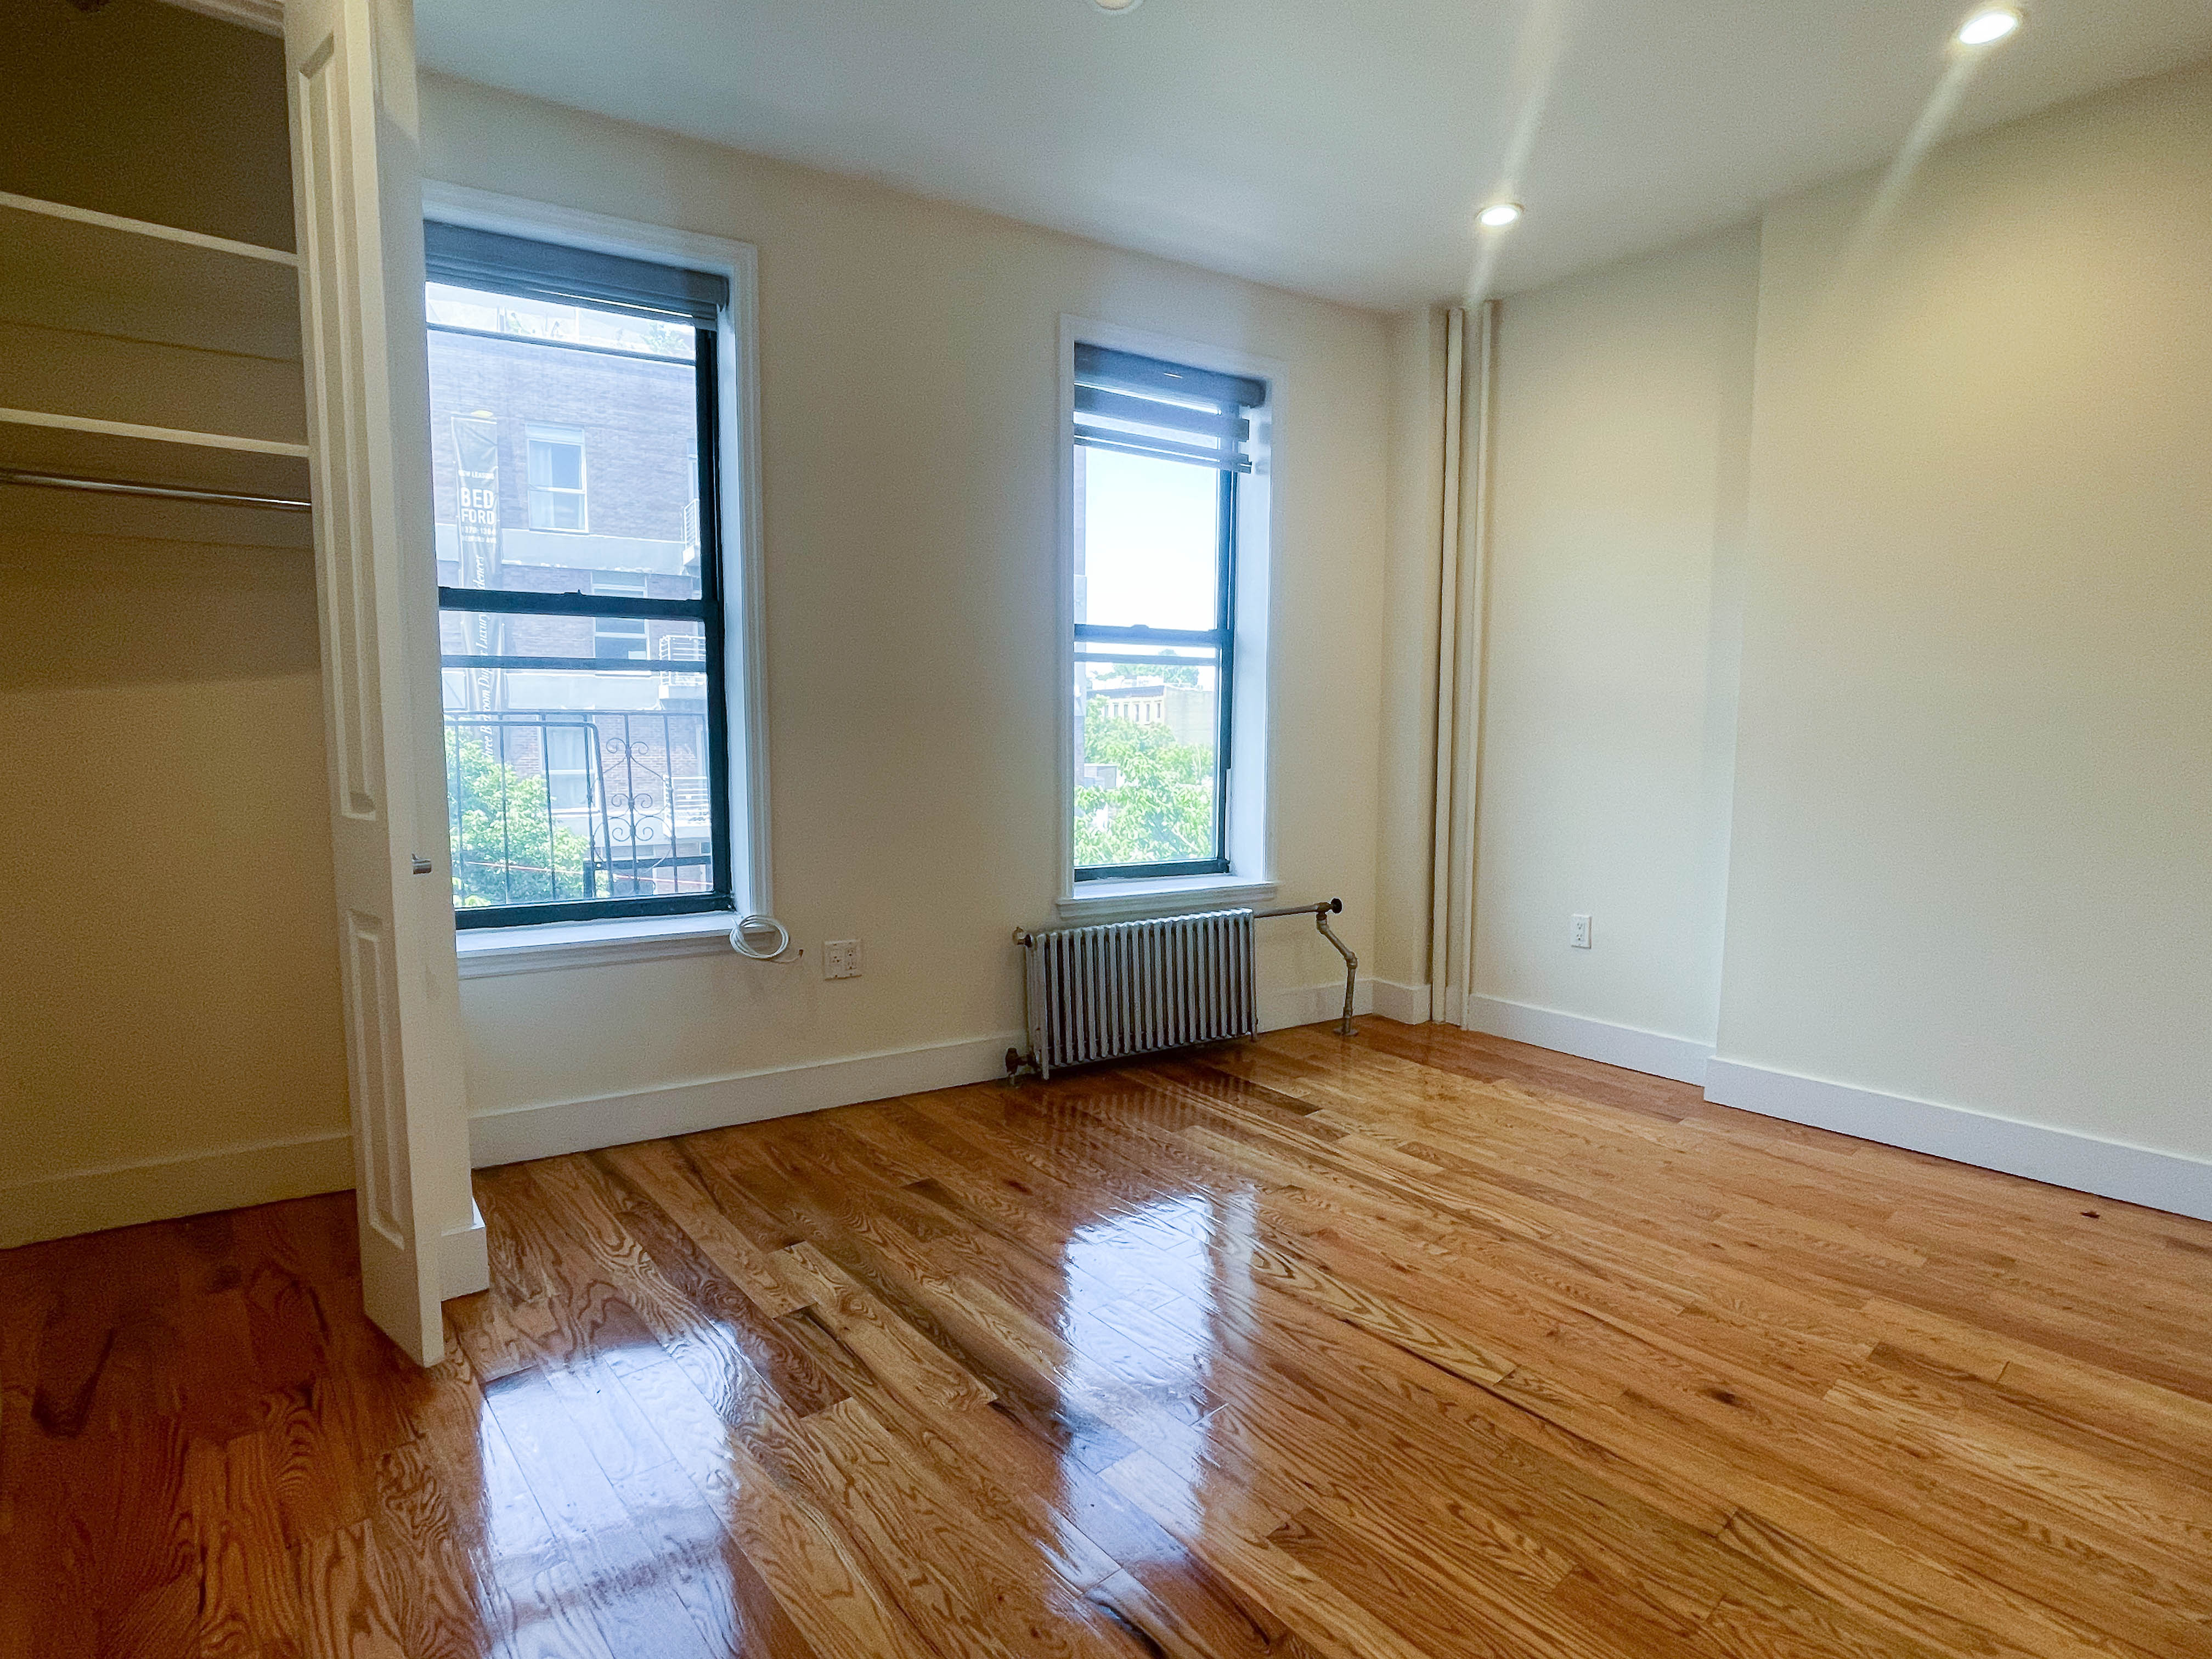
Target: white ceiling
[(1337, 147)]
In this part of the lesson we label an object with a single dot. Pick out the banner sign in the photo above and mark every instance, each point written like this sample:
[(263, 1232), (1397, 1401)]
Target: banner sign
[(476, 448)]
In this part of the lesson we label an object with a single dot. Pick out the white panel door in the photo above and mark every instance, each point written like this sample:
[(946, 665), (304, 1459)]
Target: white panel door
[(357, 184)]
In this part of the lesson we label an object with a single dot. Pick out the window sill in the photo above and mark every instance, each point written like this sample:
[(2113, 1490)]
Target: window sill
[(1128, 901), (489, 952)]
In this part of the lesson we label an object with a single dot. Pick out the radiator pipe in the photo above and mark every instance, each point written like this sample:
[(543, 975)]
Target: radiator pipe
[(1321, 913)]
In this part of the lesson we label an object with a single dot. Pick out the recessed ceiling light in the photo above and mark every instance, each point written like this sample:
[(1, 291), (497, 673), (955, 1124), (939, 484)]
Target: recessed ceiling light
[(1499, 215), (1114, 6), (1988, 26)]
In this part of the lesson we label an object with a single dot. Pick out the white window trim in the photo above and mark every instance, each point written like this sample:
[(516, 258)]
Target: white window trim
[(503, 950), (1160, 896), (489, 952), (1251, 835)]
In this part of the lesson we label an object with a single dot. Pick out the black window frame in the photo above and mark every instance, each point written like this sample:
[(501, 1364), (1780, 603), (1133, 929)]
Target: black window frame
[(1114, 384), (493, 263)]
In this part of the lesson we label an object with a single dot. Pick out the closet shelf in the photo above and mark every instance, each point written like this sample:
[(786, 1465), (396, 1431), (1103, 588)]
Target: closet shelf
[(165, 435), (147, 228), (121, 451), (92, 273), (140, 319)]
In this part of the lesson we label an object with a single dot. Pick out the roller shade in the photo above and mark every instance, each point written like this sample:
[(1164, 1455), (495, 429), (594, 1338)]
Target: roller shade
[(1148, 406), (571, 276)]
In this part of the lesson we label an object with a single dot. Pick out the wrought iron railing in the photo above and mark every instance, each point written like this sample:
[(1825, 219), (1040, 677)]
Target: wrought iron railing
[(630, 819)]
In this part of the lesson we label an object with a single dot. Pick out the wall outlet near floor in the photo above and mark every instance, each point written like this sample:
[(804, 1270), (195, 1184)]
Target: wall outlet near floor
[(840, 958), (1579, 938)]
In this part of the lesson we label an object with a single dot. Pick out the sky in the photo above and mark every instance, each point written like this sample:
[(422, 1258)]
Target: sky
[(1150, 543)]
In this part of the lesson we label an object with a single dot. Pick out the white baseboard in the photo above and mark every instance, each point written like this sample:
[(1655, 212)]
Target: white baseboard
[(1639, 1050), (518, 1133), (124, 1195), (464, 1258), (228, 1178), (1309, 1005), (2060, 1158), (1407, 1004)]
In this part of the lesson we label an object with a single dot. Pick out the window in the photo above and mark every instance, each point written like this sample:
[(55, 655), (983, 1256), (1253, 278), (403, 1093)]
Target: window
[(621, 638), (1160, 447), (569, 750), (557, 478), (586, 737)]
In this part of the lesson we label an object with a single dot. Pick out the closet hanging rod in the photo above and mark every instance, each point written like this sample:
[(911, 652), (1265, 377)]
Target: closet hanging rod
[(164, 434), (147, 228), (10, 475)]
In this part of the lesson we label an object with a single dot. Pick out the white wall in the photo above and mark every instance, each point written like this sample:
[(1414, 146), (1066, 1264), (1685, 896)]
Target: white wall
[(1974, 833), (910, 385), (1622, 404), (1919, 514)]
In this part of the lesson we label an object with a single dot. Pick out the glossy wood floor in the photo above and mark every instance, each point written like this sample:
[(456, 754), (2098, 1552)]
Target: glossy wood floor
[(1422, 1344)]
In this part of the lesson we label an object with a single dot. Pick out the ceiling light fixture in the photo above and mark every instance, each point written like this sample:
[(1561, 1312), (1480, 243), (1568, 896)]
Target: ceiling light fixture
[(1499, 215), (1988, 26), (1115, 8)]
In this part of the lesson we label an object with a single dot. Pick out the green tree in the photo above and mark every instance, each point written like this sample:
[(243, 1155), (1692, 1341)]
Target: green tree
[(507, 850), (1163, 812), (1138, 673)]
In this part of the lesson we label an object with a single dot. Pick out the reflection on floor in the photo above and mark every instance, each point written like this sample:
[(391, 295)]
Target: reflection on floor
[(1420, 1343)]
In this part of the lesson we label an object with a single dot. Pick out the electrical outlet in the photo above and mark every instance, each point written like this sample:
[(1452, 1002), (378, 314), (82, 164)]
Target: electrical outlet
[(840, 958), (1580, 937)]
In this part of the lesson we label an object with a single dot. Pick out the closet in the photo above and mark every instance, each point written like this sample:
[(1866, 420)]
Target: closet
[(171, 1039)]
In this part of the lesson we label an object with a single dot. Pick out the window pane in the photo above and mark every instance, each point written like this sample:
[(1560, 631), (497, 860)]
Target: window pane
[(447, 306), (567, 764), (1147, 541), (1146, 734), (562, 446), (557, 509), (568, 781), (556, 462), (557, 500), (619, 638)]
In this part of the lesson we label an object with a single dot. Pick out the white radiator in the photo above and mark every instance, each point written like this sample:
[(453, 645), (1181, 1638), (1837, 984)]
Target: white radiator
[(1135, 988)]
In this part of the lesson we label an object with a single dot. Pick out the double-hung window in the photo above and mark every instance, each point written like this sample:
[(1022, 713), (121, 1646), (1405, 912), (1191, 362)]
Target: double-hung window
[(1160, 449), (557, 478), (582, 647), (617, 638)]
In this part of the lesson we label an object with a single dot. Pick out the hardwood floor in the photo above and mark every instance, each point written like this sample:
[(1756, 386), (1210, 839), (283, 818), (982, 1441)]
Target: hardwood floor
[(1419, 1344)]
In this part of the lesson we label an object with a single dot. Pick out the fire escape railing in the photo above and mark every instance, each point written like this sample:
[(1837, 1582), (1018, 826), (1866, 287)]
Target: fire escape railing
[(527, 829)]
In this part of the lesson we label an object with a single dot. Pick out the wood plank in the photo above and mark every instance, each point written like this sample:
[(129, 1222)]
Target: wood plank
[(1414, 1345)]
